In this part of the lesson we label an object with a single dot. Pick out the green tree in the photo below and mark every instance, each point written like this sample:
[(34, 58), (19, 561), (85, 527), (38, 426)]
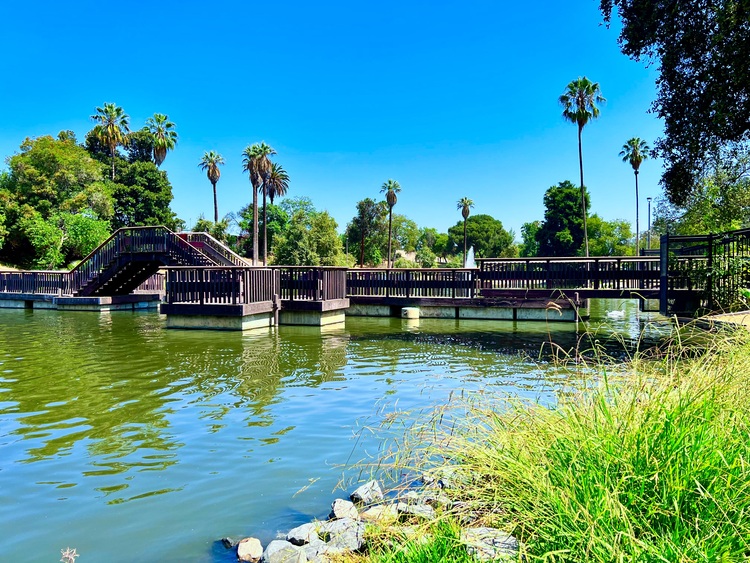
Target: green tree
[(210, 162), (256, 162), (561, 232), (164, 135), (139, 147), (701, 50), (112, 128), (719, 203), (276, 182), (278, 221), (485, 233), (579, 102), (364, 229), (390, 188), (294, 247), (325, 241), (610, 238), (300, 203), (465, 204), (530, 245), (217, 229), (142, 195), (405, 233), (635, 151)]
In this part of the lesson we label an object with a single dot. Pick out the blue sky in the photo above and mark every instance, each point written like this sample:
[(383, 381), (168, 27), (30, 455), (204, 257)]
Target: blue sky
[(449, 99)]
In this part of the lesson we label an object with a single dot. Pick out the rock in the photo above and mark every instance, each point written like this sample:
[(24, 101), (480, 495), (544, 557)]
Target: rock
[(380, 513), (343, 509), (367, 493), (346, 533), (418, 510), (249, 550), (304, 534), (490, 544), (229, 543), (319, 551), (280, 551)]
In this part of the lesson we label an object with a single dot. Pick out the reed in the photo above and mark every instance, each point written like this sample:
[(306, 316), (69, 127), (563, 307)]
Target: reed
[(650, 465)]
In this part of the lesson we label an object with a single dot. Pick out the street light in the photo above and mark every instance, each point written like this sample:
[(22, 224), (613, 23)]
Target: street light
[(648, 235)]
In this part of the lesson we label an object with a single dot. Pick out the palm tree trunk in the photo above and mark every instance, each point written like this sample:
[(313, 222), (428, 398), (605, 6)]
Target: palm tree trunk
[(255, 225), (583, 191), (390, 220), (637, 226), (216, 205), (464, 242), (265, 232), (112, 150)]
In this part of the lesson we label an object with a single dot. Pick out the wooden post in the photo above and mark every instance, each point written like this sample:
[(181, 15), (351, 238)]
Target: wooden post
[(663, 274)]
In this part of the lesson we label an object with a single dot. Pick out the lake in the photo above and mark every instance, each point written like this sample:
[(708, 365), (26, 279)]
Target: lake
[(130, 442)]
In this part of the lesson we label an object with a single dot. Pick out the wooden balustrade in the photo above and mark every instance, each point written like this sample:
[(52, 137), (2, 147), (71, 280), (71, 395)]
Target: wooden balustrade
[(221, 285), (412, 283), (312, 283)]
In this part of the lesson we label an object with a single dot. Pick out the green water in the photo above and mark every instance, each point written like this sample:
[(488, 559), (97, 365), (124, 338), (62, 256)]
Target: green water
[(131, 442)]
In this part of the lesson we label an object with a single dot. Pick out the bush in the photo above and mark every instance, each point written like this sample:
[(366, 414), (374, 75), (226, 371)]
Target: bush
[(402, 262)]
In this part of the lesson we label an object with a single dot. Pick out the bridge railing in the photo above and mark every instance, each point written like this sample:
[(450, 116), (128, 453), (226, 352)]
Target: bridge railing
[(312, 283), (36, 281), (455, 283), (213, 248), (216, 285), (610, 272)]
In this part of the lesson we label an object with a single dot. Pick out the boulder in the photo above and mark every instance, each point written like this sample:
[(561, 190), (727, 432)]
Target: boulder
[(343, 509), (424, 511), (249, 550), (490, 544), (304, 534), (346, 533), (319, 551), (367, 493), (380, 513), (280, 551), (230, 542)]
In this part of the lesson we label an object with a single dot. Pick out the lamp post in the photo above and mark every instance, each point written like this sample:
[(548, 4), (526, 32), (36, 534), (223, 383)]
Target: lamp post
[(648, 235)]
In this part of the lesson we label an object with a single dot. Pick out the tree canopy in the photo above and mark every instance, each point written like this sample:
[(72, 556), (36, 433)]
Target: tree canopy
[(485, 233), (702, 49), (561, 232)]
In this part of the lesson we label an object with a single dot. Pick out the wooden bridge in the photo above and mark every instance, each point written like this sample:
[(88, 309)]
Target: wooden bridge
[(205, 277)]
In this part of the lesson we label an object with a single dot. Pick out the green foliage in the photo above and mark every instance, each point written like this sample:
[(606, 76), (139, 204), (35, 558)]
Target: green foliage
[(649, 464), (440, 542), (294, 247), (48, 173), (139, 148), (300, 203), (530, 244), (561, 232), (325, 241), (402, 262), (483, 232), (701, 51), (83, 234), (277, 218), (142, 196), (405, 233), (426, 258), (368, 231), (720, 202), (610, 238), (216, 230)]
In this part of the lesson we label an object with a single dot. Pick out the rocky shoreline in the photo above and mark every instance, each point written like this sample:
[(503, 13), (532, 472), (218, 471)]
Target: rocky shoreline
[(345, 530)]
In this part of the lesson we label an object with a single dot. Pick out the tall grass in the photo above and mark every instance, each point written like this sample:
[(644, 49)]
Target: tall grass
[(652, 467)]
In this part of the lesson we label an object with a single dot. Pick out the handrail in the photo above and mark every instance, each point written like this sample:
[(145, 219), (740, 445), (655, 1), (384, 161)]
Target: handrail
[(220, 248)]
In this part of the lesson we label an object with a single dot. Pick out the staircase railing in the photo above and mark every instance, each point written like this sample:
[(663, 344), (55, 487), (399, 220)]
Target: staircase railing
[(136, 240), (213, 248)]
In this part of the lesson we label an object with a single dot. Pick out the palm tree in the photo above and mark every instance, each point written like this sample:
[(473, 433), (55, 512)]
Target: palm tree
[(390, 188), (277, 183), (579, 106), (465, 204), (635, 151), (112, 128), (255, 162), (210, 163), (164, 136)]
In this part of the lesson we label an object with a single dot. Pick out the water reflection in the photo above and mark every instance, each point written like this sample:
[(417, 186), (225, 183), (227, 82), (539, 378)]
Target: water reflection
[(111, 421)]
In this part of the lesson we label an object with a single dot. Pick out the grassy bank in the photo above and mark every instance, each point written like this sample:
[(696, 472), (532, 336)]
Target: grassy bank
[(652, 467)]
